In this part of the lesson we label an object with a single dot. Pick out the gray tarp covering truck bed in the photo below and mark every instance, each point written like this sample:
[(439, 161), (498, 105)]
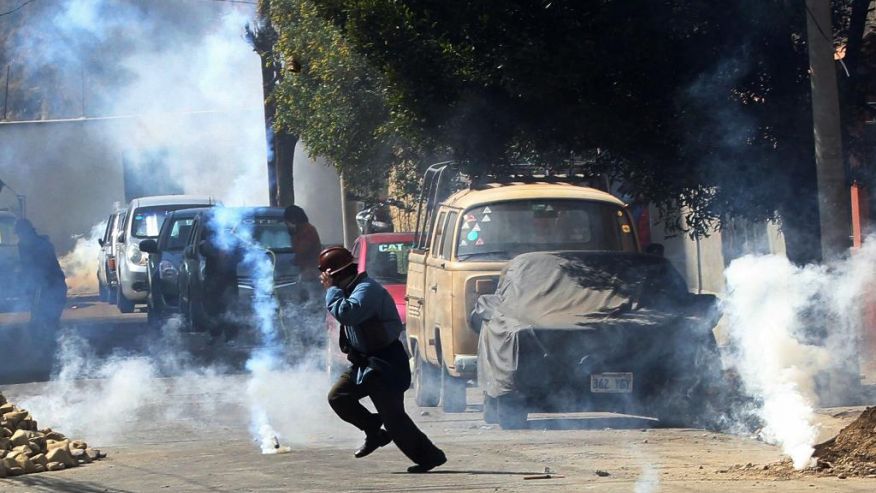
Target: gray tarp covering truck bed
[(558, 318)]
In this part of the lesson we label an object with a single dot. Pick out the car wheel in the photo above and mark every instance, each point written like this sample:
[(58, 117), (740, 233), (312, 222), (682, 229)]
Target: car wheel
[(427, 391), (511, 412), (490, 410), (124, 304), (452, 393)]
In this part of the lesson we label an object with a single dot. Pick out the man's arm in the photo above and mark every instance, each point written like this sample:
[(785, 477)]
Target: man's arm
[(349, 311)]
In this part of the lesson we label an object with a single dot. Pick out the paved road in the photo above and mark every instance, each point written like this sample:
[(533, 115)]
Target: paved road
[(188, 430)]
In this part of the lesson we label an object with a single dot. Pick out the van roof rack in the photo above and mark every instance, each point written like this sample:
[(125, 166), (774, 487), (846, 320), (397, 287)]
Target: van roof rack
[(445, 178)]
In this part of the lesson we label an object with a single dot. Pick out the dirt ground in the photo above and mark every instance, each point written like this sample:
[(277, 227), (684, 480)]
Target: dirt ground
[(630, 454)]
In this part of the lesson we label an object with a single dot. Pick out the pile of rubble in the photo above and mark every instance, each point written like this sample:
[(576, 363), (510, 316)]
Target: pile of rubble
[(853, 451), (25, 449)]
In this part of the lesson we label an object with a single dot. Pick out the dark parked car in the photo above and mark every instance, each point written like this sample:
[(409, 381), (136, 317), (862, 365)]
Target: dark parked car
[(165, 258), (217, 282), (10, 294), (601, 331)]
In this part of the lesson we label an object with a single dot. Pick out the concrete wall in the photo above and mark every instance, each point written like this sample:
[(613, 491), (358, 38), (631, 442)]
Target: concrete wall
[(702, 262), (318, 192)]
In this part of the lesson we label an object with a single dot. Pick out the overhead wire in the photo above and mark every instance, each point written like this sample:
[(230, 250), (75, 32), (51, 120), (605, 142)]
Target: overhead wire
[(16, 9)]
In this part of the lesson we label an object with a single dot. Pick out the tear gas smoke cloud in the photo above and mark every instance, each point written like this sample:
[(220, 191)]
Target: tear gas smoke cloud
[(795, 330), (185, 85), (118, 399), (648, 481), (235, 233), (188, 90), (79, 263)]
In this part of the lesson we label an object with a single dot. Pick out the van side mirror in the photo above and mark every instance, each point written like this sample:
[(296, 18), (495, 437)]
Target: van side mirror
[(655, 249), (121, 238), (189, 251), (149, 246), (101, 242)]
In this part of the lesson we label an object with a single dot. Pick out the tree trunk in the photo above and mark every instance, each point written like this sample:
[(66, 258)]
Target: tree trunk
[(834, 201), (284, 152)]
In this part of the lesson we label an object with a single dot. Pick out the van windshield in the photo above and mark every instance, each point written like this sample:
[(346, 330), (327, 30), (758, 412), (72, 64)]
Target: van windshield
[(147, 221), (501, 231)]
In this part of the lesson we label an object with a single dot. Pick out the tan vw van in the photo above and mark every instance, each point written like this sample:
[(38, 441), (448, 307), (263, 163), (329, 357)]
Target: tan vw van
[(462, 245)]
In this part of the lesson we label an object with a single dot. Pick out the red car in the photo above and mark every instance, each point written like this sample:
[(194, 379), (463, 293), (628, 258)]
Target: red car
[(385, 257)]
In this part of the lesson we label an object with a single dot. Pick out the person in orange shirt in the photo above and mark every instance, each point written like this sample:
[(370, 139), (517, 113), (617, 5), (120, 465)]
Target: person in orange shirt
[(306, 245)]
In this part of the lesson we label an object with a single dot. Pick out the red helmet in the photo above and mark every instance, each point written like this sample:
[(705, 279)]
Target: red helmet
[(335, 259)]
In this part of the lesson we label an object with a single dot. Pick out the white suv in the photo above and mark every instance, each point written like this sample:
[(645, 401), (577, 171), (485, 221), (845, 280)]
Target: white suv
[(143, 221)]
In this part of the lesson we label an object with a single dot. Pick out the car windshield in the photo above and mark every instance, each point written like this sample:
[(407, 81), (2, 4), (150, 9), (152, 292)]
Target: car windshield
[(270, 233), (179, 234), (147, 221), (7, 232), (501, 231), (388, 262)]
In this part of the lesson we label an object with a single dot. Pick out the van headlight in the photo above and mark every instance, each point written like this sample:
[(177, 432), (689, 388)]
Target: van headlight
[(136, 256)]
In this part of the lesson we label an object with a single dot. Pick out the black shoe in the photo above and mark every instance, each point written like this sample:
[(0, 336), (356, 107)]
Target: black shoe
[(421, 468), (372, 443)]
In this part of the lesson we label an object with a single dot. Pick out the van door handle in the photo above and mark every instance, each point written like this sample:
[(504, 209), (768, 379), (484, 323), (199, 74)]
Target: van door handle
[(434, 288)]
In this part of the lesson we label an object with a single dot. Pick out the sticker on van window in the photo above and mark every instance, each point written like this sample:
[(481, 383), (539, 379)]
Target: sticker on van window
[(470, 218), (477, 227), (472, 235), (463, 243), (466, 226), (480, 242), (486, 219), (487, 210), (391, 247)]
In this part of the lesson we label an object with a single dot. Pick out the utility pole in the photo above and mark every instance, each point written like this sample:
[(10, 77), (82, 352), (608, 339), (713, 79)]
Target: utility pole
[(834, 198), (6, 96)]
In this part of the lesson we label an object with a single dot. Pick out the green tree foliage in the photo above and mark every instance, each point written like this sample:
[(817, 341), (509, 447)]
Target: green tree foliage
[(330, 97), (695, 103)]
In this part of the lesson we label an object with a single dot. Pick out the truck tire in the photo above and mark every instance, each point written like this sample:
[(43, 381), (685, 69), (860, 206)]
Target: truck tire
[(427, 390), (124, 304), (490, 410), (510, 413), (452, 393)]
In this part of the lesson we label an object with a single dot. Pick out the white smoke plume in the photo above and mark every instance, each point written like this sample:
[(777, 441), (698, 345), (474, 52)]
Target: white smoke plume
[(79, 264), (235, 233), (107, 400), (648, 481), (795, 331), (179, 92)]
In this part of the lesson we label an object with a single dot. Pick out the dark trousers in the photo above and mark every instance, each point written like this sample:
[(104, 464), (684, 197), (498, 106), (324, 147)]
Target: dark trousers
[(344, 399)]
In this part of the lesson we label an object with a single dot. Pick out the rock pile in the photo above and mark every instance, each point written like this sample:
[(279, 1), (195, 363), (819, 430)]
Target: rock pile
[(25, 449), (853, 451)]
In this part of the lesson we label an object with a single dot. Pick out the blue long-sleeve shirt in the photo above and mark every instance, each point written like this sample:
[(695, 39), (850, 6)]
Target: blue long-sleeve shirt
[(358, 311)]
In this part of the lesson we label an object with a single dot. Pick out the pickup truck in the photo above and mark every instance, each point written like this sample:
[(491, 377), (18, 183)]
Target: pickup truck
[(462, 243)]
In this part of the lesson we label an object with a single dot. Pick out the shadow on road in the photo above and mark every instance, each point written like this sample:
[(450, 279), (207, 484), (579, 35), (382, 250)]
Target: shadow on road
[(476, 472), (56, 484), (591, 423)]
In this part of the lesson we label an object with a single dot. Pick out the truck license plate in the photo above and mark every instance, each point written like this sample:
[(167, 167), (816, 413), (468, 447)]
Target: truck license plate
[(611, 383)]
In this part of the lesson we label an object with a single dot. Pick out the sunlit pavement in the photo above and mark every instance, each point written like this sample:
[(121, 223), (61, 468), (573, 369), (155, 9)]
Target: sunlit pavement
[(216, 454)]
